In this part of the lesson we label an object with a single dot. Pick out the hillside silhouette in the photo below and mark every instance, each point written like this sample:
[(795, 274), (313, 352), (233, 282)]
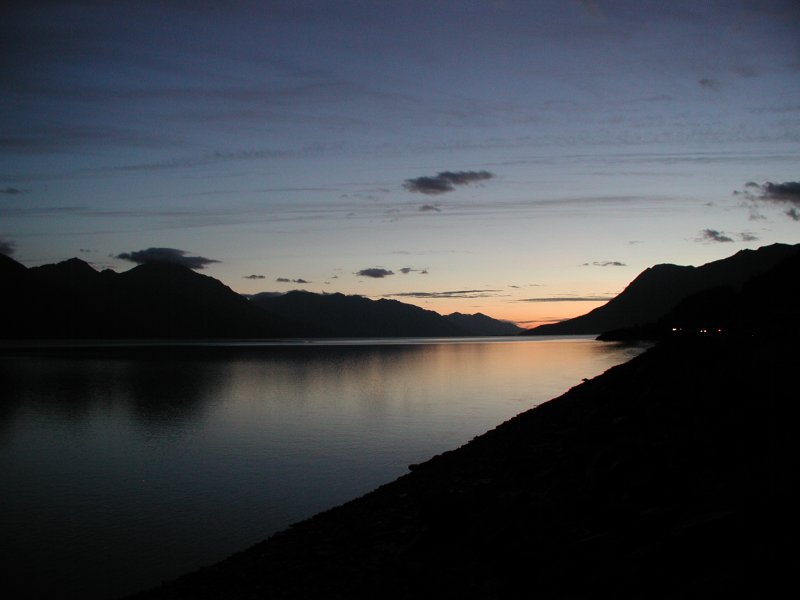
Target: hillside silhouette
[(481, 324), (659, 289), (70, 299), (765, 304), (341, 315), (161, 300)]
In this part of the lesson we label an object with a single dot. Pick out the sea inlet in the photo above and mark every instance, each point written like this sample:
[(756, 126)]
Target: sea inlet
[(127, 464)]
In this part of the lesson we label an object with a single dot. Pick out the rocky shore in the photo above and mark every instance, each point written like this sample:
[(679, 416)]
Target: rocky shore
[(671, 476)]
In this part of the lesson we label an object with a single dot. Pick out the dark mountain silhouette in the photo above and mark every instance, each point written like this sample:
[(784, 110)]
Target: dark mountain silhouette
[(766, 304), (70, 299), (338, 315), (480, 324), (11, 270), (661, 288)]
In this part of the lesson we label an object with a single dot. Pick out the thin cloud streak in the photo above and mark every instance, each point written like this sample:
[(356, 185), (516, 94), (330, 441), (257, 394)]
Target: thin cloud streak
[(604, 263), (450, 294), (568, 299)]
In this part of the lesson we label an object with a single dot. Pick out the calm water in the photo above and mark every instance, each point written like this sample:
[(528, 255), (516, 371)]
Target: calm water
[(120, 469)]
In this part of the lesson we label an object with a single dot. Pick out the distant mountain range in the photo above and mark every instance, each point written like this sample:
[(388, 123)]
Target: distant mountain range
[(660, 289), (339, 315), (70, 299)]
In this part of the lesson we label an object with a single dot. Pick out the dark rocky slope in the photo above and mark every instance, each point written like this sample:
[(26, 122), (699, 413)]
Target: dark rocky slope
[(657, 290), (672, 476)]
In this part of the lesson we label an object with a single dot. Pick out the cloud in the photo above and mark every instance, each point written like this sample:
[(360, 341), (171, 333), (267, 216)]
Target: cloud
[(786, 193), (538, 321), (450, 294), (283, 280), (709, 84), (569, 299), (300, 280), (166, 255), (604, 263), (712, 235), (254, 276), (375, 272), (443, 182), (745, 71), (6, 247), (407, 270), (11, 191), (211, 158), (429, 208)]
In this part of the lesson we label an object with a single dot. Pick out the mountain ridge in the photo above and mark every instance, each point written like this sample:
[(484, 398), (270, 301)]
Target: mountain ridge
[(70, 299), (658, 289), (160, 300)]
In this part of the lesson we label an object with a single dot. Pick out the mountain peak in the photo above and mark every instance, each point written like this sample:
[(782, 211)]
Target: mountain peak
[(73, 265), (659, 289), (481, 324)]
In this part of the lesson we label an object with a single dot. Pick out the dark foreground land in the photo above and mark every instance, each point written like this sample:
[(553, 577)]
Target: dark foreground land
[(671, 476)]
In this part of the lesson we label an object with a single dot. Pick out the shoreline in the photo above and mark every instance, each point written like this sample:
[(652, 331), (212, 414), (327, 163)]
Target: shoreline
[(635, 483)]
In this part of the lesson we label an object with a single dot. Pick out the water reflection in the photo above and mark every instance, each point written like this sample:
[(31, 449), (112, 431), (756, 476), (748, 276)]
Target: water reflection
[(121, 468)]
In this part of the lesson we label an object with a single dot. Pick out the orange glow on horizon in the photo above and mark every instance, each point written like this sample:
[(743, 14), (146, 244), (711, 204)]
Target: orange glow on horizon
[(524, 314)]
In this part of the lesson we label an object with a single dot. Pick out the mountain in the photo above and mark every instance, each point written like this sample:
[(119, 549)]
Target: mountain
[(70, 299), (765, 305), (338, 315), (661, 288), (480, 325)]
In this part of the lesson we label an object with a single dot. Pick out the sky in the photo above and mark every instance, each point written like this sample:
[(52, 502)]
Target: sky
[(524, 159)]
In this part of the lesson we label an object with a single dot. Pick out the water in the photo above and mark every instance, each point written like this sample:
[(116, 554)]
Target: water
[(122, 467)]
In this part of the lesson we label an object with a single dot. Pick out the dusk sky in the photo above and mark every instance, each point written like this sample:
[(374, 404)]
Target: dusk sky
[(524, 159)]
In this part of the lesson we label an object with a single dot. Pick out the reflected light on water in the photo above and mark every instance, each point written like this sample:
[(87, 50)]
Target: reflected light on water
[(120, 471)]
